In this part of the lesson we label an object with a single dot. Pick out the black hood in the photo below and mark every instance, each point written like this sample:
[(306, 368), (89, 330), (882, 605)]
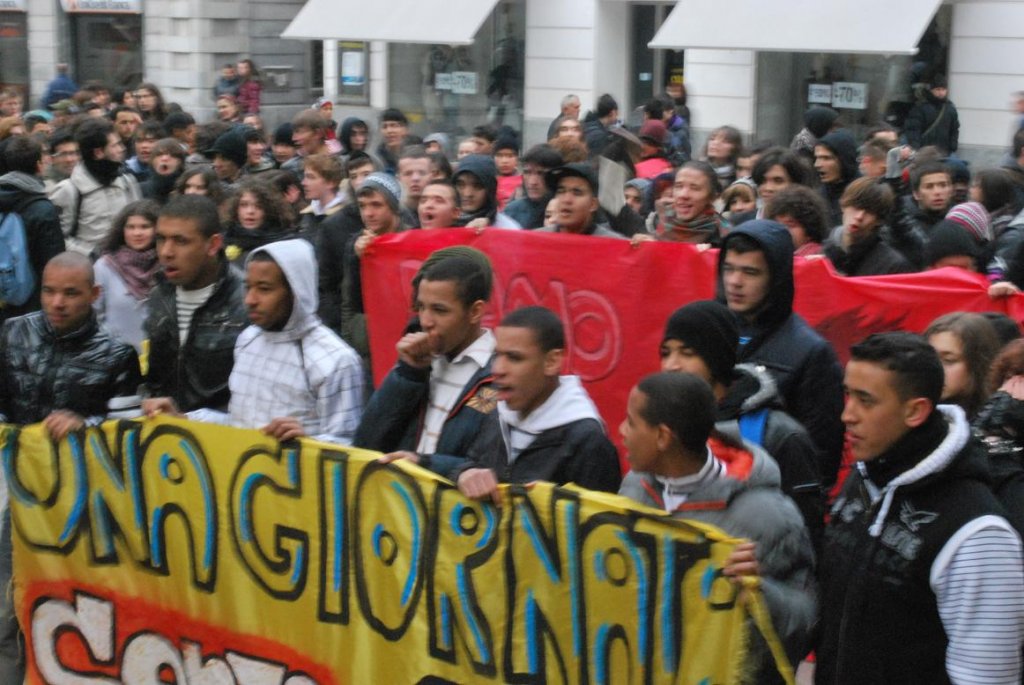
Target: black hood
[(844, 147), (484, 169), (777, 245), (819, 120), (345, 135)]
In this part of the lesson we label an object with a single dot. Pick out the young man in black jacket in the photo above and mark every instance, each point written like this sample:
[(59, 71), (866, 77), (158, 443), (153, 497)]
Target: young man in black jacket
[(197, 309), (546, 427), (755, 280), (921, 574), (430, 408), (856, 248)]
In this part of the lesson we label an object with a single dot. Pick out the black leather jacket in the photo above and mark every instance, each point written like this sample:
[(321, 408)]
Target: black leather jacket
[(195, 374), (41, 372)]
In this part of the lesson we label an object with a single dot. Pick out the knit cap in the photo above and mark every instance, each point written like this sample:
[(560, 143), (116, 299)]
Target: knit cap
[(387, 185), (283, 134), (973, 217), (709, 328), (949, 238), (230, 145)]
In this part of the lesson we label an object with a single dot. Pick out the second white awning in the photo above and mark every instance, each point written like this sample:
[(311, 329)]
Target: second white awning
[(891, 27)]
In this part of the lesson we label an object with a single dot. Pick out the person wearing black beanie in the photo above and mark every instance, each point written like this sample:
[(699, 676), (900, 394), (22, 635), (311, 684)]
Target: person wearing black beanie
[(702, 338), (950, 244)]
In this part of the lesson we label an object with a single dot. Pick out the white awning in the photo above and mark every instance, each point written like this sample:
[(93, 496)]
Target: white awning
[(448, 22), (891, 27)]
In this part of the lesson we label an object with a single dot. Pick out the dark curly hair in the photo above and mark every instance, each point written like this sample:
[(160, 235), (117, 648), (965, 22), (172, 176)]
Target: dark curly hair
[(277, 213), (803, 205)]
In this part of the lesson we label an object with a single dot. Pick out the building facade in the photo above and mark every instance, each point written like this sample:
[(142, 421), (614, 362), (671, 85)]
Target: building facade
[(514, 60)]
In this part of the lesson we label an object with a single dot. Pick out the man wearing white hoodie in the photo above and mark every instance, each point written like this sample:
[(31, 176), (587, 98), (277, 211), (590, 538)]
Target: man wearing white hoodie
[(921, 574), (292, 375), (546, 427)]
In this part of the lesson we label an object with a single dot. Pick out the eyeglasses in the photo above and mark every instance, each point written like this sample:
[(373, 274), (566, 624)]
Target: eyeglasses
[(67, 153)]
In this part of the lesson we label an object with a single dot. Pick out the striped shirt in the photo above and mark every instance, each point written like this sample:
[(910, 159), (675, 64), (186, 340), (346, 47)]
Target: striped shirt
[(447, 380), (978, 581), (187, 302)]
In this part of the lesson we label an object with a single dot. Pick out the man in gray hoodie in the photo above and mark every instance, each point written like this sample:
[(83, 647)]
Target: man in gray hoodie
[(546, 427)]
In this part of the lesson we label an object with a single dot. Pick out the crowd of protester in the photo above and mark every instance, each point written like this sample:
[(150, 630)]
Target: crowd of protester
[(213, 270)]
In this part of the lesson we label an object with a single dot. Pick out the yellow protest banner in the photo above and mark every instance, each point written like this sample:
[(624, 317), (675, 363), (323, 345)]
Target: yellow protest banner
[(172, 551)]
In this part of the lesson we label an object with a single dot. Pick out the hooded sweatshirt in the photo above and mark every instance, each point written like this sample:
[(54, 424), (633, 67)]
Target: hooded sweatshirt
[(303, 371), (482, 167), (803, 364), (844, 147), (561, 441), (569, 402), (738, 491), (345, 136), (921, 573)]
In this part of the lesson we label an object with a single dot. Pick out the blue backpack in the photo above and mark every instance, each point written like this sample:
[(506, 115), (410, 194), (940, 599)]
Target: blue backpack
[(17, 280)]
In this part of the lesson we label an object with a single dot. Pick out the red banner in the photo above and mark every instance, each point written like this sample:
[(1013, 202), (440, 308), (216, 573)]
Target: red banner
[(614, 298)]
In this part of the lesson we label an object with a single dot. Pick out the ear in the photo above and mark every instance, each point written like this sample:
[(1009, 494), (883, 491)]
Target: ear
[(476, 311), (94, 293), (916, 411), (553, 360), (594, 204), (665, 437), (214, 244)]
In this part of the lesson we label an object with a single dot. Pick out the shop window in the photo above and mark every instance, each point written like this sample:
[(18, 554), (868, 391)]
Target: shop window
[(108, 48), (865, 89), (14, 52), (454, 88), (652, 72)]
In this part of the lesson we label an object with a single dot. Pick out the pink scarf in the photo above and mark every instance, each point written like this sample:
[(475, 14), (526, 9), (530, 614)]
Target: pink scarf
[(136, 268)]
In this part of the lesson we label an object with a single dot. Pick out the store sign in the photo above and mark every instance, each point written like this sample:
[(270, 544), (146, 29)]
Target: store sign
[(464, 83), (819, 93), (12, 6), (847, 95), (443, 81), (102, 6)]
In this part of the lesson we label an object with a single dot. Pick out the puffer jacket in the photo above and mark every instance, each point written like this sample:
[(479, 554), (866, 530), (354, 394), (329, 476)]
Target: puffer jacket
[(752, 405), (195, 374), (80, 371), (746, 503)]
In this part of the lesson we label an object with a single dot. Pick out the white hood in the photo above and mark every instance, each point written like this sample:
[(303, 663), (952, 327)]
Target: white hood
[(568, 403), (298, 263)]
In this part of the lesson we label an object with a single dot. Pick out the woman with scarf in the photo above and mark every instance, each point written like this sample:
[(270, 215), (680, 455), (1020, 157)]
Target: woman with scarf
[(258, 215), (127, 270), (692, 218)]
